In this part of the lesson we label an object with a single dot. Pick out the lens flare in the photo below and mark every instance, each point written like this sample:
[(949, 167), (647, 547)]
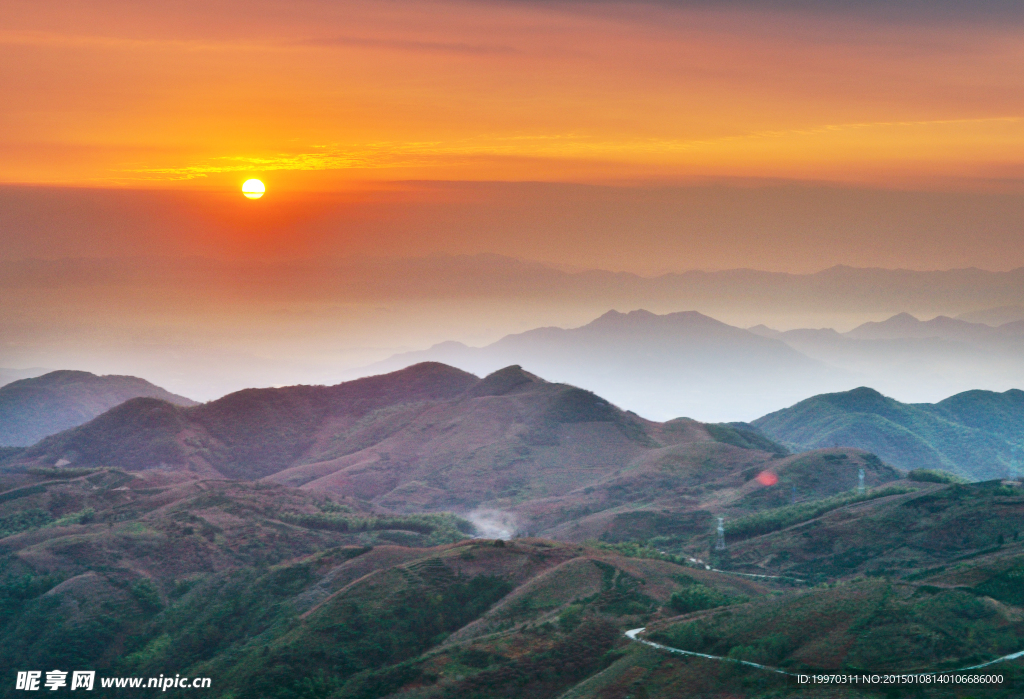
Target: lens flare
[(767, 478)]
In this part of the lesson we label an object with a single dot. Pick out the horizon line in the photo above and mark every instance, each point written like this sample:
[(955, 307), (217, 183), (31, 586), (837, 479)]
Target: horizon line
[(552, 266)]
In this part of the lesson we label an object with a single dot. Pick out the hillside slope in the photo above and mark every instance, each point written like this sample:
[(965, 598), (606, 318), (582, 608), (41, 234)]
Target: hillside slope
[(918, 581), (9, 375), (279, 592), (429, 438), (33, 408), (261, 588), (977, 434)]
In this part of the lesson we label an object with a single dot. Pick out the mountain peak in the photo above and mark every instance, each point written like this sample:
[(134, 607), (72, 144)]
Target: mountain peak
[(504, 380), (904, 325), (55, 378), (894, 326), (33, 408), (614, 316), (903, 318), (858, 400), (862, 394), (642, 317), (764, 331), (975, 434)]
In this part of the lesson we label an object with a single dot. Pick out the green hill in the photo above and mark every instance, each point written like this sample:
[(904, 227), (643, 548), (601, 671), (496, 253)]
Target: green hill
[(976, 434), (865, 626), (33, 408), (274, 591), (915, 582)]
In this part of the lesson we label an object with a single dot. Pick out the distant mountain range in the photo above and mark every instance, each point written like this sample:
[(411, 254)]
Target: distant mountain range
[(994, 316), (687, 364), (33, 408), (918, 361), (838, 289), (312, 321), (904, 325), (976, 434), (663, 366)]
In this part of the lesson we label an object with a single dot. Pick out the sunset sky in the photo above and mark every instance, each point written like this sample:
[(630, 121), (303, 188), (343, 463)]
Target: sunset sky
[(318, 95), (349, 110), (643, 137)]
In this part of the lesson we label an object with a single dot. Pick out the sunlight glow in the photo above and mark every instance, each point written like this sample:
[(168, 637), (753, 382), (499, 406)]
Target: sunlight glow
[(253, 189)]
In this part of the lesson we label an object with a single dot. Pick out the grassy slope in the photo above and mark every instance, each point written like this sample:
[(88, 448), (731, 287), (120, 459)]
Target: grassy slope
[(899, 534), (865, 624), (259, 586), (458, 621), (671, 501), (944, 592), (977, 434), (343, 621)]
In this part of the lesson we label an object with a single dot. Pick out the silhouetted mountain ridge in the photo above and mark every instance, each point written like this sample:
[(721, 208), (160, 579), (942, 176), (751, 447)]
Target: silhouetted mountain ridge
[(916, 360), (662, 366), (431, 437), (33, 408), (904, 325)]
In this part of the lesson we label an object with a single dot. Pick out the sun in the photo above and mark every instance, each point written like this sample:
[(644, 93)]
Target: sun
[(253, 189)]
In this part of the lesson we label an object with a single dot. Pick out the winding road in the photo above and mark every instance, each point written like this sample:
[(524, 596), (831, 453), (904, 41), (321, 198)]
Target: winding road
[(633, 634)]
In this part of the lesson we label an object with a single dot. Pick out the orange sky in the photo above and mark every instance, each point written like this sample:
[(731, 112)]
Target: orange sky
[(782, 135), (324, 96)]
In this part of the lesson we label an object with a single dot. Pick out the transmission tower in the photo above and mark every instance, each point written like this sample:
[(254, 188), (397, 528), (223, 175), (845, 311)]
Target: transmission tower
[(720, 538), (860, 486)]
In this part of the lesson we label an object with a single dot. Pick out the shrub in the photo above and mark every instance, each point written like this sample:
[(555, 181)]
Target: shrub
[(696, 597), (146, 594), (441, 528), (927, 475), (571, 617), (23, 521), (782, 517)]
